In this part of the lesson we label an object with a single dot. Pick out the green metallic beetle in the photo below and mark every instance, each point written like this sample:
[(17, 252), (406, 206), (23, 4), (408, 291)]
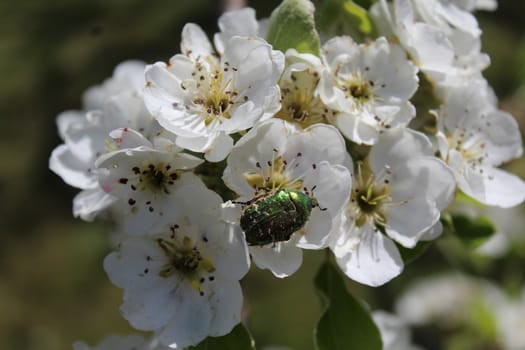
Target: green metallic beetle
[(275, 217)]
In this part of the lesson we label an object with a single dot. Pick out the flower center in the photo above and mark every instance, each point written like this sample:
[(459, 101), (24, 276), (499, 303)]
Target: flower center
[(153, 177), (368, 199), (360, 91), (300, 105), (355, 85), (471, 147), (185, 259), (210, 90), (273, 177)]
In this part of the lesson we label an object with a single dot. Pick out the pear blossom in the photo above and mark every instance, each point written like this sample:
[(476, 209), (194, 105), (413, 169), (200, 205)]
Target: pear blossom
[(117, 342), (203, 97), (395, 332), (369, 85), (117, 103), (143, 177), (396, 196), (474, 139), (277, 155), (428, 46), (442, 38), (462, 29), (127, 80), (300, 101), (182, 281)]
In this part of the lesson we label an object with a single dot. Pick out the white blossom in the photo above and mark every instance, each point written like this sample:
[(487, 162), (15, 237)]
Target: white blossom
[(276, 155), (401, 190), (182, 281), (300, 100), (474, 138), (428, 46), (115, 104), (442, 38), (144, 178), (369, 85), (204, 98)]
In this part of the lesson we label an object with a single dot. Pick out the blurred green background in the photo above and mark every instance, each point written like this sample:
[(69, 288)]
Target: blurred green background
[(53, 289)]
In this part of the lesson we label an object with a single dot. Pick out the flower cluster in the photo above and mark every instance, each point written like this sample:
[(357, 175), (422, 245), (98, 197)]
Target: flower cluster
[(314, 151)]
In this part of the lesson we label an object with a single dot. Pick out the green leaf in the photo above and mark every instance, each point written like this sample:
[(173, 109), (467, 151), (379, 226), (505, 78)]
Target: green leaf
[(345, 323), (292, 25), (237, 339), (344, 17), (472, 232)]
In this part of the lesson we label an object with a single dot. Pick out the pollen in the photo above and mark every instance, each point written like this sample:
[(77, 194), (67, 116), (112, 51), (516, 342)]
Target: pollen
[(211, 88), (369, 198), (273, 177), (156, 178), (185, 259), (300, 105)]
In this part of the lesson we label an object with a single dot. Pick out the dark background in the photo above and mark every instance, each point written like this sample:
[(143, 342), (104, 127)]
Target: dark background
[(53, 289)]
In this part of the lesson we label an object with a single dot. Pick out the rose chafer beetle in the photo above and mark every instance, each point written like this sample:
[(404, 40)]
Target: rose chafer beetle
[(275, 217)]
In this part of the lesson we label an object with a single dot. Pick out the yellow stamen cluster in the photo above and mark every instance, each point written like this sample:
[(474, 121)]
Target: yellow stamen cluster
[(275, 178), (184, 259), (300, 104)]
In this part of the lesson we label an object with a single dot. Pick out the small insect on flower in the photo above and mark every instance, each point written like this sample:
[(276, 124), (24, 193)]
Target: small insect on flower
[(275, 217)]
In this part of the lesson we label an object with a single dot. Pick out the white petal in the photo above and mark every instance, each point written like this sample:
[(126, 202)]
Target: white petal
[(125, 267), (426, 177), (432, 50), (316, 230), (375, 261), (191, 322), (128, 138), (332, 150), (433, 233), (390, 69), (231, 212), (67, 119), (226, 303), (72, 170), (253, 60), (283, 259), (148, 309), (194, 41), (504, 138), (396, 147), (88, 204), (229, 253), (501, 189), (333, 184), (355, 129), (408, 221), (240, 22), (220, 149)]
